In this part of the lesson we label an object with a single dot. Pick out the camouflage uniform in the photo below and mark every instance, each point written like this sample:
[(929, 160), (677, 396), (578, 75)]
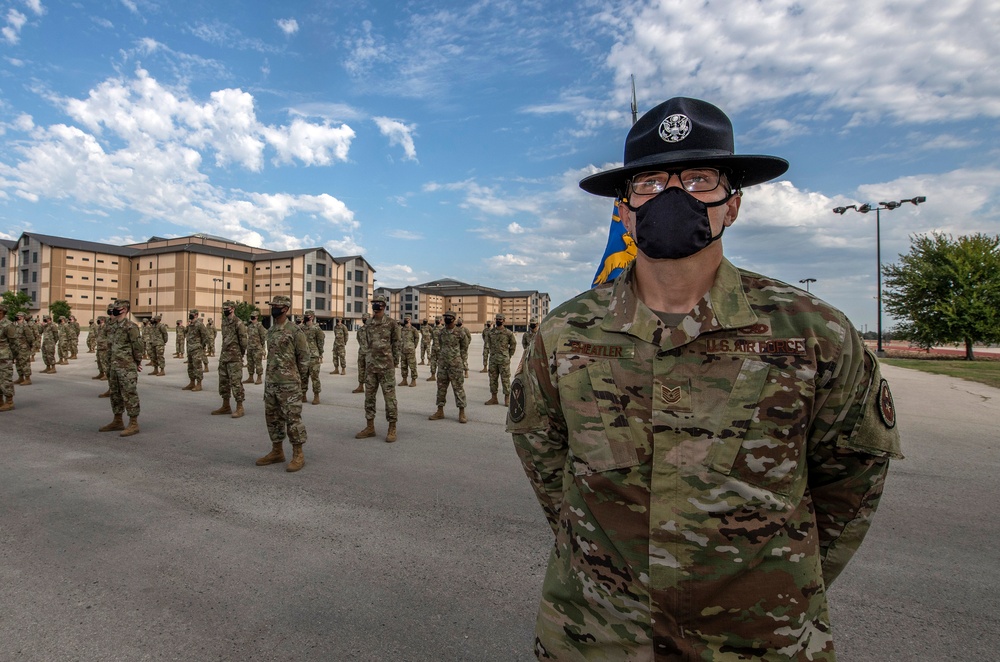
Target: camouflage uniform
[(529, 335), (503, 345), (234, 346), (36, 337), (465, 352), (92, 337), (180, 331), (425, 342), (409, 337), (64, 347), (288, 360), (382, 356), (146, 333), (339, 348), (22, 337), (210, 340), (435, 330), (74, 340), (6, 361), (362, 353), (197, 338), (705, 481), (158, 337), (486, 347), (50, 337), (315, 338), (452, 345), (124, 357), (256, 337)]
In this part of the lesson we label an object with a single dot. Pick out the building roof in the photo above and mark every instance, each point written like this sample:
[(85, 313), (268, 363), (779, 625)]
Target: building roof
[(79, 245), (10, 244)]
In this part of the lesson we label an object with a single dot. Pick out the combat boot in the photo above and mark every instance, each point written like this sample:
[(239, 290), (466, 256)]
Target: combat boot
[(189, 387), (160, 373), (73, 355), (248, 380), (20, 380), (343, 371), (315, 398), (298, 461), (276, 455), (493, 399), (100, 376), (8, 405), (334, 372), (438, 415), (116, 424), (413, 381), (506, 400), (106, 394), (431, 378), (359, 389), (390, 436), (466, 374), (239, 411), (485, 369), (197, 385), (369, 430), (224, 409), (26, 381), (461, 415), (258, 380), (133, 427), (402, 383)]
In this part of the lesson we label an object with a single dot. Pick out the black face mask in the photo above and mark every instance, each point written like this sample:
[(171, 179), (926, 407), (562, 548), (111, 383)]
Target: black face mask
[(532, 326), (674, 225), (377, 307), (191, 317), (276, 311), (449, 320), (117, 311)]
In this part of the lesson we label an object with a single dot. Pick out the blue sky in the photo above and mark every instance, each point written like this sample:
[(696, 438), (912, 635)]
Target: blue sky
[(446, 139)]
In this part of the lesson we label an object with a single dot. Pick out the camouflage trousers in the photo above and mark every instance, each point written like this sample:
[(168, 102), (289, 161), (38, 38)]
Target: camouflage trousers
[(387, 381), (283, 413), (231, 380), (147, 349), (74, 344), (408, 362), (102, 360), (196, 363), (339, 356), (91, 342), (179, 346), (434, 360), (361, 367), (454, 375), (157, 356), (7, 378), (64, 350), (500, 371), (425, 351), (209, 348), (313, 377), (49, 354), (123, 382), (486, 355), (23, 361), (255, 365)]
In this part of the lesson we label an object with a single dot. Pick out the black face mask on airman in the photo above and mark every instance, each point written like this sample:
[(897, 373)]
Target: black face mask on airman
[(276, 311), (674, 225)]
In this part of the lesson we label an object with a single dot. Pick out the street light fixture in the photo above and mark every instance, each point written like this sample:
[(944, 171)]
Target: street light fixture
[(215, 285), (807, 281), (864, 209)]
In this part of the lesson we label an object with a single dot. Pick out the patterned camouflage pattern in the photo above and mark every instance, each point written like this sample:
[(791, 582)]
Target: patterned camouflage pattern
[(21, 340), (502, 347), (92, 336), (6, 358), (486, 346), (124, 357), (256, 339), (339, 347), (209, 339), (435, 331), (234, 346), (158, 337), (528, 337), (705, 483), (426, 341), (103, 344), (65, 347), (409, 338), (288, 360), (362, 351), (180, 331), (50, 338), (468, 336), (198, 336), (453, 345), (144, 333), (74, 340), (382, 340), (315, 338)]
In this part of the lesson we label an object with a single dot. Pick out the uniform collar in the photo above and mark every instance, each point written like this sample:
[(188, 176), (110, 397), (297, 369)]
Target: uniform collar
[(724, 307)]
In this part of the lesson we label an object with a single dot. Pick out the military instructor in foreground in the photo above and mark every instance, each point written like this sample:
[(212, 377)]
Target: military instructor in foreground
[(709, 445)]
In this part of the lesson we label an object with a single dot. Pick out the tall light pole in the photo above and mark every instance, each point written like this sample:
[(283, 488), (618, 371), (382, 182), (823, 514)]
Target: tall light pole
[(807, 281), (864, 209), (215, 307)]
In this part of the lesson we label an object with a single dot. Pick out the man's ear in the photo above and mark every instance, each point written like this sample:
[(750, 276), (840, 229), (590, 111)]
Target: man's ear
[(733, 209), (625, 214)]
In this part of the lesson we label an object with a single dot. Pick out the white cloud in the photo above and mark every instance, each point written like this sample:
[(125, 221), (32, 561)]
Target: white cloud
[(12, 31), (130, 5), (398, 275), (35, 6), (515, 228), (312, 144), (399, 134), (288, 25), (365, 50), (405, 235)]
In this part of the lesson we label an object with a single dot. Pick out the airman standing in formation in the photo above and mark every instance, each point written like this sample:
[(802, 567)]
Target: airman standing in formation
[(36, 337), (103, 345), (529, 335), (503, 345), (256, 338), (486, 346), (453, 344), (339, 348), (144, 332), (197, 338), (92, 337), (435, 330), (23, 337), (315, 338), (124, 364), (465, 352), (409, 337), (288, 359), (425, 341), (234, 346), (382, 340), (362, 353), (64, 344), (210, 340), (158, 337), (74, 336), (50, 337), (179, 332), (6, 360)]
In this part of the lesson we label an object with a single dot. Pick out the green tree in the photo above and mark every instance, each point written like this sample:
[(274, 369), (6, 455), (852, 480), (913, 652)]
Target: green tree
[(946, 290), (244, 309), (17, 302), (60, 309)]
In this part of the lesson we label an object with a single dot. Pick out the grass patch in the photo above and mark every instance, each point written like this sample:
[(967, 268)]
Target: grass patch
[(984, 372)]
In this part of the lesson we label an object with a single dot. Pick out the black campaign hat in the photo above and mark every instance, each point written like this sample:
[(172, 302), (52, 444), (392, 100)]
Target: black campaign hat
[(681, 133)]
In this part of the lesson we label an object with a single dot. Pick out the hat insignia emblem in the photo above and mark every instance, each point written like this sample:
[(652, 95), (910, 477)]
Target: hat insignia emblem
[(675, 128)]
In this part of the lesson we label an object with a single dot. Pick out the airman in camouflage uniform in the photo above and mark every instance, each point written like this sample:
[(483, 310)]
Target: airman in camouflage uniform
[(529, 335), (144, 335), (315, 338), (92, 337), (503, 345), (256, 337), (158, 337), (708, 460), (234, 346), (288, 360), (74, 339), (6, 360), (339, 348), (486, 346), (409, 337), (210, 341), (362, 353), (22, 339), (103, 344), (124, 366), (453, 345), (381, 358), (50, 337), (197, 338), (180, 331), (36, 333), (435, 330), (64, 347), (465, 353), (425, 341)]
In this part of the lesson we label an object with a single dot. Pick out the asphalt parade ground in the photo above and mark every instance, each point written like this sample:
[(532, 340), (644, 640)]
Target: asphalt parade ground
[(173, 545)]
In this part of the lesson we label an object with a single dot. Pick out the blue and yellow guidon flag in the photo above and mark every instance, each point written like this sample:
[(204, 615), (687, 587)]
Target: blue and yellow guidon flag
[(619, 253)]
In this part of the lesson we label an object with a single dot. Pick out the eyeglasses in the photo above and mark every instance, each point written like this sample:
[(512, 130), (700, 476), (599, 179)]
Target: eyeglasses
[(693, 180)]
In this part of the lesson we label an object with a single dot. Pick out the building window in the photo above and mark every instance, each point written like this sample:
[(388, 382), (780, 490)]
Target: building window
[(151, 265), (86, 259), (246, 270), (114, 280), (84, 278), (34, 257), (83, 296), (409, 297), (357, 306), (229, 267), (244, 287), (309, 268), (320, 303), (150, 302), (309, 303), (113, 262), (359, 276), (229, 285), (100, 261), (3, 279), (150, 282), (33, 297), (34, 276), (309, 286), (100, 280), (349, 275), (320, 287), (321, 270), (358, 291), (68, 257)]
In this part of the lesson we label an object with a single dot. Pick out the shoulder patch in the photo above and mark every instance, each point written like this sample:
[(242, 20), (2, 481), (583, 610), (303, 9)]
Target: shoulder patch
[(886, 407), (516, 410)]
